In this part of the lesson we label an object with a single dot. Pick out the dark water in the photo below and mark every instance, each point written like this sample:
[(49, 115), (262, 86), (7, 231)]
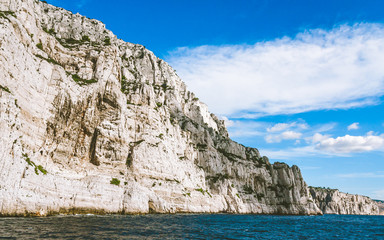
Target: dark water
[(194, 227)]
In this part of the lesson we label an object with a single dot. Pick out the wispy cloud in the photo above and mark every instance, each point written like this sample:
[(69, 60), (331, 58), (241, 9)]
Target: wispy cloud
[(248, 128), (239, 128), (309, 168), (283, 126), (361, 175), (81, 3), (353, 126), (295, 153), (287, 135), (379, 194), (280, 127), (318, 69)]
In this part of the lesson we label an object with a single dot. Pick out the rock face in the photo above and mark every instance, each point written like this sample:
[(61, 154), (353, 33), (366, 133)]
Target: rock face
[(380, 204), (331, 201), (90, 123)]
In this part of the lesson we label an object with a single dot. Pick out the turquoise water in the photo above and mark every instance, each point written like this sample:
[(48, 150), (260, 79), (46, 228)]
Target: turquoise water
[(180, 226)]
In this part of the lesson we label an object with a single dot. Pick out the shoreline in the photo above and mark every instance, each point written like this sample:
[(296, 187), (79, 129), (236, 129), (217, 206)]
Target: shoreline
[(104, 214)]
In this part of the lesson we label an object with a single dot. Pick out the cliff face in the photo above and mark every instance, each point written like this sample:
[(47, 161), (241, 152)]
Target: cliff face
[(90, 123), (380, 204), (331, 201)]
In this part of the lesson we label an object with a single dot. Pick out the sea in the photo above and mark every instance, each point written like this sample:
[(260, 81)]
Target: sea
[(193, 226)]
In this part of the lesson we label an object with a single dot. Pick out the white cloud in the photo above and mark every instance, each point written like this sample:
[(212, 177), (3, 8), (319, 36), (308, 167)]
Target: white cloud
[(291, 135), (302, 152), (279, 127), (240, 128), (379, 194), (361, 175), (291, 153), (319, 137), (353, 126), (326, 146), (251, 128), (283, 126), (336, 69), (286, 131), (349, 144), (287, 135)]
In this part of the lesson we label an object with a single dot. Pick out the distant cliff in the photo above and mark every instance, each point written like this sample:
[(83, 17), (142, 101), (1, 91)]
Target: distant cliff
[(90, 123), (380, 204), (331, 201)]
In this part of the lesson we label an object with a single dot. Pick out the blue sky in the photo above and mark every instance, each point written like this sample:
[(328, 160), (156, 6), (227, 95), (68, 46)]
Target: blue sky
[(301, 80)]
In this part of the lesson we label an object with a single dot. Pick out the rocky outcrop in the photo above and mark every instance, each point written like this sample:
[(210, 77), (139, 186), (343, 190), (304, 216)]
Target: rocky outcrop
[(380, 204), (90, 123), (331, 201)]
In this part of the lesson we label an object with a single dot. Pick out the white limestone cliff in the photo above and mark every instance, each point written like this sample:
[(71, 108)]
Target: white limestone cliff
[(380, 204), (92, 124), (331, 201)]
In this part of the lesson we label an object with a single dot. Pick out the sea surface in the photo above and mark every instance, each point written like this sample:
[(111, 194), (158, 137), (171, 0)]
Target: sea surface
[(191, 226)]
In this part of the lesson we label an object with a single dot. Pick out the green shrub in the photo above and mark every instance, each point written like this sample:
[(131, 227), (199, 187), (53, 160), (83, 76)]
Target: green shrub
[(137, 142), (200, 190), (4, 14), (107, 41), (219, 177), (203, 191), (28, 160), (40, 46), (50, 60), (6, 89), (115, 181), (230, 156), (82, 81), (85, 38), (32, 164), (50, 31), (72, 41), (248, 189), (172, 180), (201, 146), (164, 86), (41, 169), (187, 194)]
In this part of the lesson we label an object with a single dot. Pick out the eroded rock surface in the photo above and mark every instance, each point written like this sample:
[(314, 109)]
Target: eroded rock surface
[(90, 123), (380, 204), (331, 201)]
